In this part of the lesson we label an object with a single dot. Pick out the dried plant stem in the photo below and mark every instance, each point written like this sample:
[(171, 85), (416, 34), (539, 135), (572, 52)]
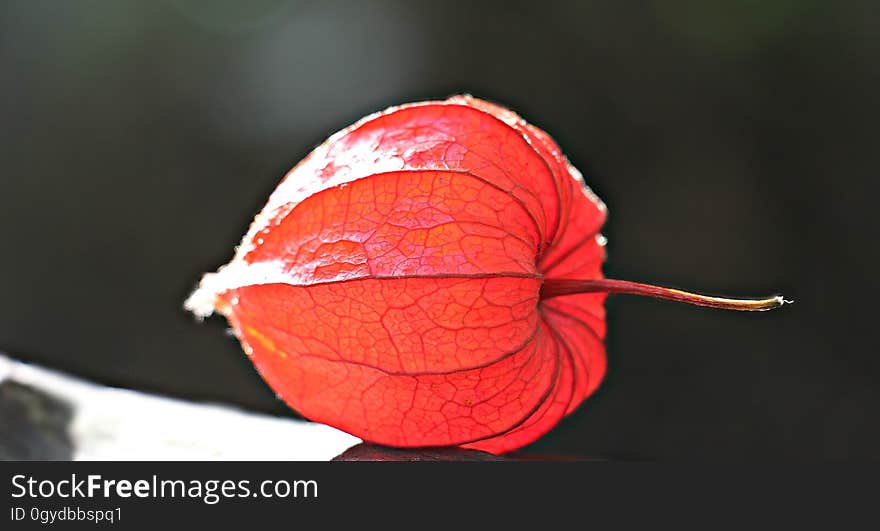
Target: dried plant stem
[(560, 287)]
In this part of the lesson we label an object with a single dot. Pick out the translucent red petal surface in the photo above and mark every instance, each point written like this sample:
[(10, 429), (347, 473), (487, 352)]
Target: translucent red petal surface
[(391, 285)]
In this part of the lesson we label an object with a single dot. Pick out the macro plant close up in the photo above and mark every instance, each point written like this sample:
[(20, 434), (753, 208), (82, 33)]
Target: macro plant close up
[(430, 276), (299, 230)]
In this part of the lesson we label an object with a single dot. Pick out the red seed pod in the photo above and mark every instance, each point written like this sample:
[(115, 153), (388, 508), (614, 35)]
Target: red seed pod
[(429, 276)]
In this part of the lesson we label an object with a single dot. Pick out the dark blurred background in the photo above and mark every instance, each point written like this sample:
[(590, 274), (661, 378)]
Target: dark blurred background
[(734, 143)]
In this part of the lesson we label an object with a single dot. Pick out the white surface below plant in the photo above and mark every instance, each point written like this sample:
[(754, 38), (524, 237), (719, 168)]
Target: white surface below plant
[(120, 424)]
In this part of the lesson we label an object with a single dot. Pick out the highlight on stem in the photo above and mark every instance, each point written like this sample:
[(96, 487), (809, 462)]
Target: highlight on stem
[(556, 287)]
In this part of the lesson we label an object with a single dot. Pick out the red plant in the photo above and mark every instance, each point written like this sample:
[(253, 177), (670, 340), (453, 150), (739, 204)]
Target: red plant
[(429, 276)]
